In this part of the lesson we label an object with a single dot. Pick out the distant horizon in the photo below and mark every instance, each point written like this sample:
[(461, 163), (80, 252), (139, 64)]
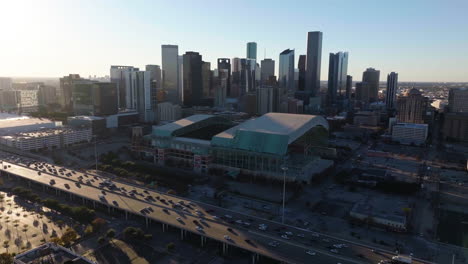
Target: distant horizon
[(420, 39)]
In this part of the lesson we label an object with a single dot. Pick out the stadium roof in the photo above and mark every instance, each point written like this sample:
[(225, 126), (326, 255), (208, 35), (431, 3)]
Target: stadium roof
[(184, 125), (270, 133)]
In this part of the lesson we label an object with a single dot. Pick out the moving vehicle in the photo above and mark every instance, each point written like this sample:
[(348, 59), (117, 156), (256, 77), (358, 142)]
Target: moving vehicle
[(401, 259)]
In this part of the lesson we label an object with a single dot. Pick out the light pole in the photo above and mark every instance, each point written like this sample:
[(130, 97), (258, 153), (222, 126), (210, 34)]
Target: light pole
[(95, 151), (284, 168)]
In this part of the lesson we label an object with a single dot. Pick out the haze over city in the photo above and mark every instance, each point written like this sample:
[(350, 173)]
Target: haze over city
[(423, 40)]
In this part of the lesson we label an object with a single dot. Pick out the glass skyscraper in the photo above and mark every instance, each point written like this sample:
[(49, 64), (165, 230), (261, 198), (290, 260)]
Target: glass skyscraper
[(337, 72), (372, 77), (314, 62), (286, 70), (170, 72), (252, 50), (392, 87)]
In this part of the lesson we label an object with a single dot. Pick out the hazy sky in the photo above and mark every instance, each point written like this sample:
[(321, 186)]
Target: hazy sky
[(422, 40)]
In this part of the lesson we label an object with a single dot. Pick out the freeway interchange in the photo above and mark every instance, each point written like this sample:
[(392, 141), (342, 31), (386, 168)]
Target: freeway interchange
[(261, 237)]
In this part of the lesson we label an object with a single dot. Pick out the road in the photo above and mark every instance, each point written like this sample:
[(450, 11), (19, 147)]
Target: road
[(212, 221)]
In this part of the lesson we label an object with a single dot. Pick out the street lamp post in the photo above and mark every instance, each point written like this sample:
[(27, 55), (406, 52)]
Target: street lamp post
[(95, 151), (284, 168)]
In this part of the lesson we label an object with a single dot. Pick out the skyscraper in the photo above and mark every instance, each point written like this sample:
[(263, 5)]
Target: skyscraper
[(5, 83), (392, 87), (349, 86), (221, 87), (337, 72), (286, 70), (156, 83), (372, 77), (120, 75), (458, 100), (170, 72), (301, 65), (314, 62), (362, 92), (225, 64), (252, 50), (95, 99), (412, 107), (267, 70), (193, 84), (66, 87), (207, 77), (143, 99)]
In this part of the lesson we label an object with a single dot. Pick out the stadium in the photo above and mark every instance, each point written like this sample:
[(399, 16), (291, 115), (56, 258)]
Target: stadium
[(274, 145)]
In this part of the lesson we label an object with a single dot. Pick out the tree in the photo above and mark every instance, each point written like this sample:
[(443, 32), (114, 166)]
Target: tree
[(110, 233), (101, 240), (6, 258), (98, 223), (89, 230), (170, 246), (69, 236), (172, 192)]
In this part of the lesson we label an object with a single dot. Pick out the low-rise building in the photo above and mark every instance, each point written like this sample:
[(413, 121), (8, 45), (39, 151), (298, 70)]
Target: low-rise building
[(50, 253), (409, 133), (456, 126), (366, 118), (46, 139)]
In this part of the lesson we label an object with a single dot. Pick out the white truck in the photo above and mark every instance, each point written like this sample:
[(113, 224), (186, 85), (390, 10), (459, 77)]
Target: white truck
[(402, 259)]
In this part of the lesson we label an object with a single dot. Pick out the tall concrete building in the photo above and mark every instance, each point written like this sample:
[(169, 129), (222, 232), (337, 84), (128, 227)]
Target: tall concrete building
[(392, 87), (5, 84), (121, 76), (372, 77), (170, 72), (47, 95), (314, 62), (29, 101), (337, 72), (9, 100), (349, 86), (193, 80), (458, 100), (156, 75), (301, 65), (286, 70), (225, 64), (267, 70), (412, 107), (252, 50)]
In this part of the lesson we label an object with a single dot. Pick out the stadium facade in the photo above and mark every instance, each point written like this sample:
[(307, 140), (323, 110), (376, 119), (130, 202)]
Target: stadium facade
[(262, 147)]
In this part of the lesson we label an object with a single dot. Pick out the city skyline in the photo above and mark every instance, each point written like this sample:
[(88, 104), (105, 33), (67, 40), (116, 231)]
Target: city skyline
[(386, 40)]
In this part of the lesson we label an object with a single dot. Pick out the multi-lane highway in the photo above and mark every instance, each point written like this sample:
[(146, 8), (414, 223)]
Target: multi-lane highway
[(259, 236)]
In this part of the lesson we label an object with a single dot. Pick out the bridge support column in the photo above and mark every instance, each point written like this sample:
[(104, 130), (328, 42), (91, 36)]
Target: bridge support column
[(29, 184), (71, 197), (126, 215), (182, 234), (108, 209), (82, 198), (94, 204), (164, 227), (147, 222), (203, 240), (225, 248), (43, 188)]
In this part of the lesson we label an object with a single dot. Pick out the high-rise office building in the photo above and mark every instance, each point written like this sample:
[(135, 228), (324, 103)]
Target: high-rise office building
[(267, 70), (225, 64), (392, 87), (95, 99), (458, 100), (9, 100), (362, 92), (193, 82), (66, 87), (286, 70), (268, 99), (337, 72), (301, 65), (143, 98), (47, 95), (207, 80), (221, 87), (252, 50), (170, 72), (412, 107), (156, 75), (372, 77), (5, 84), (121, 75), (314, 62), (349, 86)]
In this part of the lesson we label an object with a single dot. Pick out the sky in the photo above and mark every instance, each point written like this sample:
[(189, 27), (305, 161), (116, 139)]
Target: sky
[(422, 40)]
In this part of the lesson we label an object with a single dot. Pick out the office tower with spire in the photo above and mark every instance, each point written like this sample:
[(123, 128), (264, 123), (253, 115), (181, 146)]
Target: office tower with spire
[(392, 87), (314, 62)]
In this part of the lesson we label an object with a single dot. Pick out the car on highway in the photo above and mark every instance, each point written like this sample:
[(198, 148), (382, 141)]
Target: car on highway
[(273, 244), (310, 252), (285, 237), (199, 228), (334, 251), (227, 237)]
